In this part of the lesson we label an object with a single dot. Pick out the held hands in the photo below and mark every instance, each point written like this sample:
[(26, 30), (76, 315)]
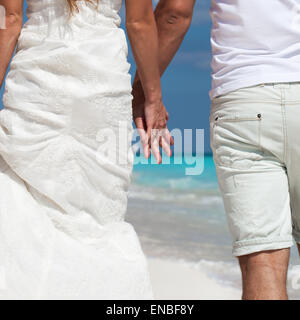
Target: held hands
[(151, 118)]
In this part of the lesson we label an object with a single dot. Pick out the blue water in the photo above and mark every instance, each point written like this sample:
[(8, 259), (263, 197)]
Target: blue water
[(174, 176), (169, 187), (181, 217), (175, 212)]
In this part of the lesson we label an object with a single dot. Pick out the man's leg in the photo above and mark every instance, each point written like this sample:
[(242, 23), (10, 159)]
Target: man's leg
[(264, 275), (292, 114), (248, 144)]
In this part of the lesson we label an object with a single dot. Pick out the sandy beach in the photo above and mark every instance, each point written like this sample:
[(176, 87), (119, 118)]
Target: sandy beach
[(179, 281), (182, 227)]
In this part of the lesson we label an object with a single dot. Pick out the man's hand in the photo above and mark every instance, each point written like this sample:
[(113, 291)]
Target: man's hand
[(173, 18), (156, 117), (151, 122)]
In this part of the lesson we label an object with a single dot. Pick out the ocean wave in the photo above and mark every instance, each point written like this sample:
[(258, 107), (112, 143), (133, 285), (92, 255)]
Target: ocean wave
[(196, 197), (174, 183), (225, 273), (228, 274), (174, 177)]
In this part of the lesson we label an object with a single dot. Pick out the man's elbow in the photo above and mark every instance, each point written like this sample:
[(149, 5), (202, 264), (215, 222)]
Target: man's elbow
[(176, 14)]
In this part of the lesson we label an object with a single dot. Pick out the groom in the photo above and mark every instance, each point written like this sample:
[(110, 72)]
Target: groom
[(254, 127)]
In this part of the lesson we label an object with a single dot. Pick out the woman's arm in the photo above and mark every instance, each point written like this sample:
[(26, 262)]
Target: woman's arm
[(143, 36), (173, 19), (9, 36), (142, 33)]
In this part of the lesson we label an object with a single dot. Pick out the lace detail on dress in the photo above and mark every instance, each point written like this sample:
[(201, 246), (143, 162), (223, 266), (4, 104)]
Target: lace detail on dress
[(65, 134)]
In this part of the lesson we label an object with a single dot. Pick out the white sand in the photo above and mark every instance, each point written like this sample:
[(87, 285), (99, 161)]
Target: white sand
[(175, 280)]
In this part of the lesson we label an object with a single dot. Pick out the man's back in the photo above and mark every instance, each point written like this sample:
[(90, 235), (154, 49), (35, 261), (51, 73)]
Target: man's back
[(254, 42)]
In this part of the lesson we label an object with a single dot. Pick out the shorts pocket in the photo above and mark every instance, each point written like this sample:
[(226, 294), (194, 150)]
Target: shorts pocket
[(235, 138), (237, 117)]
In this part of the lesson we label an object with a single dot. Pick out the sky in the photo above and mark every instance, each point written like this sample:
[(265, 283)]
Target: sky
[(187, 82)]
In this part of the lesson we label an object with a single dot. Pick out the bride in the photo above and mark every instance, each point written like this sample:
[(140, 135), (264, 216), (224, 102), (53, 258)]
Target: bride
[(65, 156)]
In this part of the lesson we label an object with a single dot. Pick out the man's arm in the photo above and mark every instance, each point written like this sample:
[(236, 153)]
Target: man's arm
[(9, 36), (173, 19)]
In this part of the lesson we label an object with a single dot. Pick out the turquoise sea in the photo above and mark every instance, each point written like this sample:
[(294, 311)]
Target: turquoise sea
[(181, 217)]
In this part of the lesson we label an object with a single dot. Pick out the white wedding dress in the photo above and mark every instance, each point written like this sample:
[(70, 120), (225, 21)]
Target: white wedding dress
[(63, 197)]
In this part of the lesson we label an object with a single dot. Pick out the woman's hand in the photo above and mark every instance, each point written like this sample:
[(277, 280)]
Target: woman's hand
[(149, 112)]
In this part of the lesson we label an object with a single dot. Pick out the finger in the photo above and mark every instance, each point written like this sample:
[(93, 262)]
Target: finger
[(139, 122), (144, 142), (141, 128), (166, 147), (168, 137), (146, 150), (156, 151), (160, 142), (166, 142), (147, 141), (155, 145), (150, 132)]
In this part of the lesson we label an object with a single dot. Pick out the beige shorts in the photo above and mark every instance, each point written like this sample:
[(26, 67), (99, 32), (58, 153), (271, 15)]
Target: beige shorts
[(255, 138)]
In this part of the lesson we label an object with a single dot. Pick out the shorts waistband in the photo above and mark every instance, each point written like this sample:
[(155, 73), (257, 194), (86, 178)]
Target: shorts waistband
[(280, 85)]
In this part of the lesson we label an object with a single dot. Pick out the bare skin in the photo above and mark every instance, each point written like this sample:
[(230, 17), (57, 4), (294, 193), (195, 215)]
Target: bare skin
[(143, 35), (264, 275), (173, 19), (10, 35)]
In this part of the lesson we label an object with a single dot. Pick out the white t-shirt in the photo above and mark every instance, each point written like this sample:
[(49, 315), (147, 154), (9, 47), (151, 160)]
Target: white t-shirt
[(254, 42)]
